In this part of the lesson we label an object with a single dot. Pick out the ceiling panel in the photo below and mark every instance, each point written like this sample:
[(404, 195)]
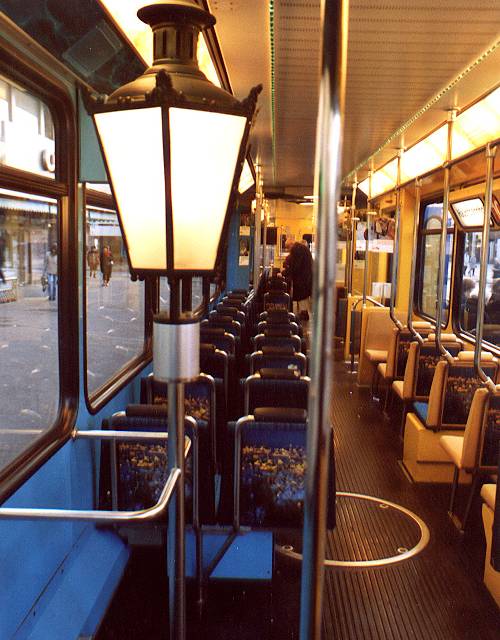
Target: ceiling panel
[(401, 53)]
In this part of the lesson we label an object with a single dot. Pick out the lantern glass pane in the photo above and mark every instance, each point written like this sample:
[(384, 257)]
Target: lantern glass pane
[(133, 145), (204, 150)]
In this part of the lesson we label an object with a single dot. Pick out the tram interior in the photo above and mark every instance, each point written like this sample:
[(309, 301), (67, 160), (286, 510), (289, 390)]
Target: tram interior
[(411, 524)]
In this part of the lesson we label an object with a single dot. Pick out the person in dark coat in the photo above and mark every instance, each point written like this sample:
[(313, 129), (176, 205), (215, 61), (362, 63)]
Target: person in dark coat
[(298, 269), (106, 265)]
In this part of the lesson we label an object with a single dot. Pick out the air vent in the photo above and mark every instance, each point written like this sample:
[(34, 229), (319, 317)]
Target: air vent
[(92, 51)]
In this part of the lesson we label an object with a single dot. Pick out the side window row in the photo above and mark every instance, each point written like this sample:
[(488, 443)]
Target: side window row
[(32, 335)]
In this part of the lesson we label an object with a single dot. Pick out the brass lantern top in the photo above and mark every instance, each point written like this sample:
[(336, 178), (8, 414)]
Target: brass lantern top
[(176, 25)]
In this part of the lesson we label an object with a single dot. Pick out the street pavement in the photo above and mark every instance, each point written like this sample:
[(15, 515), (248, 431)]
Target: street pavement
[(29, 375)]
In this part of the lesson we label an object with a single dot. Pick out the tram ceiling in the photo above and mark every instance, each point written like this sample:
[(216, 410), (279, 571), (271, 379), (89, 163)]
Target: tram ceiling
[(400, 56)]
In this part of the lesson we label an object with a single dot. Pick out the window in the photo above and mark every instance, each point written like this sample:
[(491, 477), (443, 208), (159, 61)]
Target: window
[(196, 293), (430, 239), (468, 297), (27, 138), (29, 336), (114, 303)]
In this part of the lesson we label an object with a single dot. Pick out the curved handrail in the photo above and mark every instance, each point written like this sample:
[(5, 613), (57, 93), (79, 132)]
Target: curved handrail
[(485, 379), (376, 303), (411, 288), (395, 260), (442, 245)]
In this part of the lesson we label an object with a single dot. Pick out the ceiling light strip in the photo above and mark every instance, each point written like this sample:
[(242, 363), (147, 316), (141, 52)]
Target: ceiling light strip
[(425, 108), (273, 85)]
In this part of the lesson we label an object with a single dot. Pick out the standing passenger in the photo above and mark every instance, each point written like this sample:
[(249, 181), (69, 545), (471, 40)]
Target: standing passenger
[(298, 268)]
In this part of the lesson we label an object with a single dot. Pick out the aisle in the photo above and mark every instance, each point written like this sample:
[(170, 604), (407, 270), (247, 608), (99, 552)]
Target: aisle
[(440, 593)]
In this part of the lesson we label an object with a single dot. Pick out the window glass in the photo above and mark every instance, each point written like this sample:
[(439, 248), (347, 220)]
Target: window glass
[(29, 371), (196, 293), (115, 304), (429, 254), (470, 284), (27, 138)]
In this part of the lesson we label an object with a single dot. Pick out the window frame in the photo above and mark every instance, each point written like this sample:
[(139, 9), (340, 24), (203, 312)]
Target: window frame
[(458, 276), (422, 233), (45, 86), (96, 400)]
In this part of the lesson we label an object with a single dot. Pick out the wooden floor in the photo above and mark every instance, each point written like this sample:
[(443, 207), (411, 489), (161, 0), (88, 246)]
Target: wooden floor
[(437, 595)]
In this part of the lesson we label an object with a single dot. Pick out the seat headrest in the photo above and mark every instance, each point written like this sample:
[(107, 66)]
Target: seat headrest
[(279, 374), (276, 315), (278, 332), (287, 350), (147, 410), (422, 324), (279, 414), (220, 318), (207, 347), (445, 337), (468, 356)]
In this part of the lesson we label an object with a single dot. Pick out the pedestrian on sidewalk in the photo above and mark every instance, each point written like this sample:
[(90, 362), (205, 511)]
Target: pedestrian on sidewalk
[(50, 271), (106, 265)]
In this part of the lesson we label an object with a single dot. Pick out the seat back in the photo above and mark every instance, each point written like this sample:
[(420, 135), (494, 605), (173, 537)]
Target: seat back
[(141, 467), (262, 340), (276, 388), (199, 402), (284, 358), (490, 452), (269, 471), (277, 301), (219, 337), (227, 310), (265, 326), (452, 391), (405, 338), (225, 322), (428, 357)]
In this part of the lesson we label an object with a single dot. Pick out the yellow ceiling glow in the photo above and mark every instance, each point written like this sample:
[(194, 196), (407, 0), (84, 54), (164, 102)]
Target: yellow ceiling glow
[(124, 13)]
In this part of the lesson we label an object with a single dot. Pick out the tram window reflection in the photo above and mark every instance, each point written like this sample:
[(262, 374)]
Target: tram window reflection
[(114, 303), (430, 239), (470, 286), (196, 293), (27, 137), (29, 336)]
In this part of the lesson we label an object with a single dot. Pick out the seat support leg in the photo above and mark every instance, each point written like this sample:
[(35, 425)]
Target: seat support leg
[(453, 491), (473, 489)]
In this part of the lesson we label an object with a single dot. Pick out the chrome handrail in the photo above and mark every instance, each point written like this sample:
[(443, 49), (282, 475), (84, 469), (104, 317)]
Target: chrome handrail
[(335, 23), (105, 516), (442, 245), (488, 197), (411, 288)]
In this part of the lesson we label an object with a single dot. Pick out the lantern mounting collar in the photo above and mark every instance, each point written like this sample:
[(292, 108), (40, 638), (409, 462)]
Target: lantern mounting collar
[(156, 13)]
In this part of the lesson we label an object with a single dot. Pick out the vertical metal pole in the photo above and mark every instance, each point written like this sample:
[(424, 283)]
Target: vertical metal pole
[(175, 542), (328, 167), (367, 245), (396, 249), (354, 233), (264, 241), (350, 240), (483, 272), (411, 288), (442, 248), (257, 229)]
